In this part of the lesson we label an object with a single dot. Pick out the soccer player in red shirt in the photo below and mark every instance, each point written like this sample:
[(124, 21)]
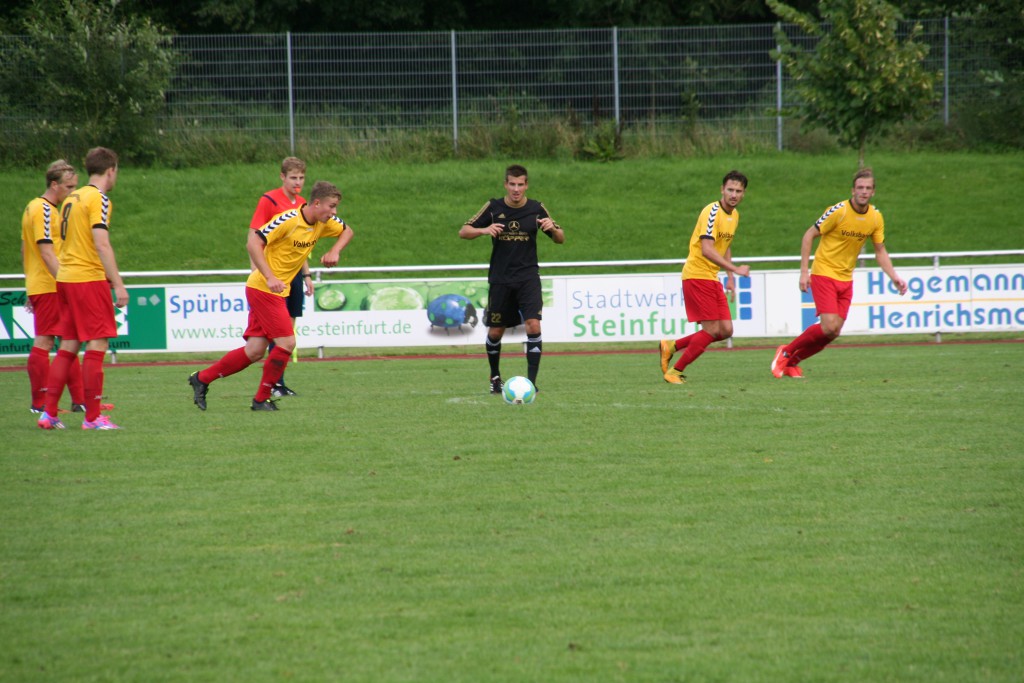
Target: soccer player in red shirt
[(843, 229), (88, 270), (705, 300), (278, 250), (284, 198)]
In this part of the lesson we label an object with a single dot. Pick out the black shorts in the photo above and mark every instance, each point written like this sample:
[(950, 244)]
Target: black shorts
[(297, 296), (509, 305)]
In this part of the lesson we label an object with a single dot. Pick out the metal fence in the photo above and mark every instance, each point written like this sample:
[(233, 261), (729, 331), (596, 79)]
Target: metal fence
[(375, 87)]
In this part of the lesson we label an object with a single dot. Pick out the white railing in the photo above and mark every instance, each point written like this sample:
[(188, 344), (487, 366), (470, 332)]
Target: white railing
[(335, 273)]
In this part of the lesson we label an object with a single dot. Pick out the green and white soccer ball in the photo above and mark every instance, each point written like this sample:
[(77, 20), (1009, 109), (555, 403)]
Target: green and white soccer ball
[(518, 391)]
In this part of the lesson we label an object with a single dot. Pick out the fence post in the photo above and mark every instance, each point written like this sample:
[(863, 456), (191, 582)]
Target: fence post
[(291, 95), (778, 95), (615, 76), (455, 98), (945, 73)]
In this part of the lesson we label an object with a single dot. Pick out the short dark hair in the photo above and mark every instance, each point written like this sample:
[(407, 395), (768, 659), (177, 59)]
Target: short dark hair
[(99, 160), (322, 190), (290, 164), (516, 171), (737, 176)]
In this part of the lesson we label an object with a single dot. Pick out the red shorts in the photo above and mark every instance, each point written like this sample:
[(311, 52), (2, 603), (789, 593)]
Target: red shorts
[(268, 315), (87, 311), (705, 300), (831, 296), (46, 310)]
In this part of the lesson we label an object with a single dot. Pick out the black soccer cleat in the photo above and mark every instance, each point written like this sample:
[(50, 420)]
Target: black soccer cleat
[(199, 390), (263, 405), (280, 390), (496, 384)]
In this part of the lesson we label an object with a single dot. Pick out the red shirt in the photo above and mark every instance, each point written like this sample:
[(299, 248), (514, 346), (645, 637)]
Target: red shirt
[(271, 204)]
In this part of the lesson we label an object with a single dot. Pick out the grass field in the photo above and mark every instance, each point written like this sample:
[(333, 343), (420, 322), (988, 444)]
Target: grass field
[(409, 214), (395, 523)]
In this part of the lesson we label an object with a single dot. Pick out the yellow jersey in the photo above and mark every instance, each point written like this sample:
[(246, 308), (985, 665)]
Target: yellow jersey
[(40, 224), (843, 234), (84, 209), (289, 241), (714, 224)]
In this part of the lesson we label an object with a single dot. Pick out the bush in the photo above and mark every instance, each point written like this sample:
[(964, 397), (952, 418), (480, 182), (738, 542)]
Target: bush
[(84, 76)]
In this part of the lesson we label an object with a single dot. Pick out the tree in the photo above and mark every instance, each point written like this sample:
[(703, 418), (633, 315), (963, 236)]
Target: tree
[(83, 76), (860, 78)]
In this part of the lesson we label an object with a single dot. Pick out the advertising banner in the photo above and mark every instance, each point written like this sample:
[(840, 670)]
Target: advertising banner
[(577, 308)]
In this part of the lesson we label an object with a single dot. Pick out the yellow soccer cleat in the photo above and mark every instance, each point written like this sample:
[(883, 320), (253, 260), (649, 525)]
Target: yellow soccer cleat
[(674, 376), (667, 348)]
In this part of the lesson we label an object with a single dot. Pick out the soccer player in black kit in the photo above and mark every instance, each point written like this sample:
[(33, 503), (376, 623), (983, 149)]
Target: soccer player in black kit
[(514, 276)]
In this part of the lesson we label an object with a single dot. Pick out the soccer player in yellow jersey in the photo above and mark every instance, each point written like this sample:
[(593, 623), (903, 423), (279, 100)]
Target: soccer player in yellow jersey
[(278, 251), (87, 272), (40, 246), (284, 198), (843, 229), (710, 252)]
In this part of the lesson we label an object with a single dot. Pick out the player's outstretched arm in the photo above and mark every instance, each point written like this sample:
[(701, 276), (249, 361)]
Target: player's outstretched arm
[(333, 255), (708, 251), (468, 232), (885, 263)]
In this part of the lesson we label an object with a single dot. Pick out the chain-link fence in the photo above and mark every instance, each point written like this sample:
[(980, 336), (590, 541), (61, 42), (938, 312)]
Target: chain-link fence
[(375, 87)]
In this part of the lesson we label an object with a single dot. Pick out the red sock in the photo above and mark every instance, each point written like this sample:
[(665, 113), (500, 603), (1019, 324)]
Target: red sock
[(683, 342), (75, 386), (273, 368), (92, 380), (698, 343), (810, 342), (229, 364), (38, 374), (58, 379), (809, 351)]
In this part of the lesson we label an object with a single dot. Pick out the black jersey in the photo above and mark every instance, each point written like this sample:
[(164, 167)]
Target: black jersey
[(514, 251)]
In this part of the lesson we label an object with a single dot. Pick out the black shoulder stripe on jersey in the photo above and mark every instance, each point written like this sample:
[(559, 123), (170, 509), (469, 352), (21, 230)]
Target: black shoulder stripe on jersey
[(278, 220), (828, 213), (709, 231)]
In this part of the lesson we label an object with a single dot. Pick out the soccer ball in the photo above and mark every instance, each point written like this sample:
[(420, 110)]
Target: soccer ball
[(518, 390)]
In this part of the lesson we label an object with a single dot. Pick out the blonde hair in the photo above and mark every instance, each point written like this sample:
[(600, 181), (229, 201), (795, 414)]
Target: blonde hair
[(865, 172), (56, 171)]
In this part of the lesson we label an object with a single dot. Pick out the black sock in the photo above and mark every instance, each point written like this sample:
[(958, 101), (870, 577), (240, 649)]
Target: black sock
[(534, 350), (494, 356)]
